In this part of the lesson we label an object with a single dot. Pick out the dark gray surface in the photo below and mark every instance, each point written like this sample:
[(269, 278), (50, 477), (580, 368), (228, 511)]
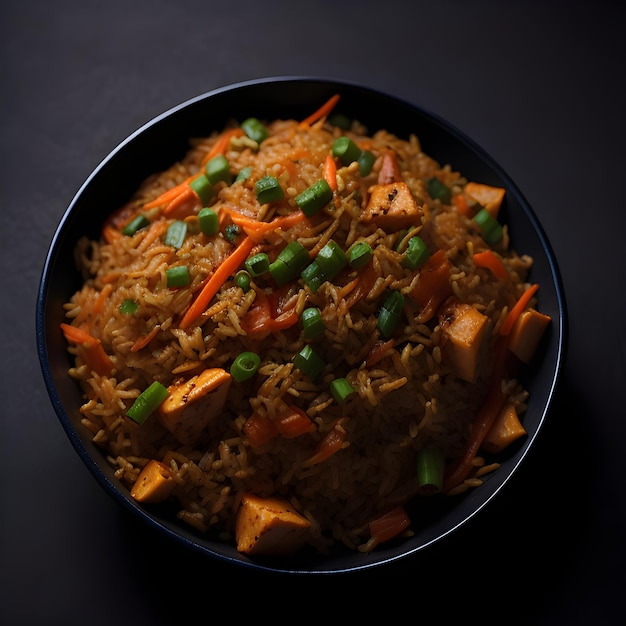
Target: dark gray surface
[(539, 85)]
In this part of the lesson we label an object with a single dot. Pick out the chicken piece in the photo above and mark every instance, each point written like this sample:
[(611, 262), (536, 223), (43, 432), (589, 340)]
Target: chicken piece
[(269, 526), (464, 331), (526, 334), (392, 207), (192, 404), (505, 430), (155, 483)]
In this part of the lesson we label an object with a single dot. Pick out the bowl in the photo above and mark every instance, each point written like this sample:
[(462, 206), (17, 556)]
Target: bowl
[(160, 142)]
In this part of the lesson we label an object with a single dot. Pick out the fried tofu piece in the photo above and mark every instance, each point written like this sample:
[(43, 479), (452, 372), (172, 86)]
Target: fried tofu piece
[(526, 334), (392, 207), (505, 430), (192, 404), (269, 526), (155, 483)]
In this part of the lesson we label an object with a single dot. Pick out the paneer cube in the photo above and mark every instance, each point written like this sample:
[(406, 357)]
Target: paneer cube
[(192, 404), (392, 207), (155, 483), (505, 430), (526, 334), (269, 526)]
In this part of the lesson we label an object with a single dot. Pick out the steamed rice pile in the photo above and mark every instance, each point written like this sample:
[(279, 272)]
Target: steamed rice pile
[(407, 396)]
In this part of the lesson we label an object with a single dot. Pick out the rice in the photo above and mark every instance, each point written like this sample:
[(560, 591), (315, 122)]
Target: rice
[(407, 394)]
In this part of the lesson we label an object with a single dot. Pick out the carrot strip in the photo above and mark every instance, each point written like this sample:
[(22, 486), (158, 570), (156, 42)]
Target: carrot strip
[(518, 309), (256, 229), (177, 203), (169, 194), (142, 342), (110, 234), (221, 145), (489, 260), (389, 525), (294, 422), (323, 111), (154, 232), (92, 350), (259, 429), (330, 172), (462, 205), (217, 279), (329, 445)]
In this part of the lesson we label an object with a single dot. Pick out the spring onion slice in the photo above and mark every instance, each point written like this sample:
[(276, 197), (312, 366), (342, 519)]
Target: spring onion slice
[(438, 191), (255, 129), (309, 363), (176, 233), (314, 198), (139, 222), (312, 323), (430, 469), (313, 276), (218, 169), (128, 307), (257, 264), (366, 162), (341, 390), (331, 259), (346, 150), (416, 253), (147, 401), (489, 226), (245, 366), (242, 280), (209, 221), (203, 188), (267, 189), (177, 276), (390, 313), (359, 254)]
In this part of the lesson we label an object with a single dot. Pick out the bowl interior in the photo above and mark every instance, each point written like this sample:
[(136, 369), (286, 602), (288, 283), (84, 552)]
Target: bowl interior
[(164, 140)]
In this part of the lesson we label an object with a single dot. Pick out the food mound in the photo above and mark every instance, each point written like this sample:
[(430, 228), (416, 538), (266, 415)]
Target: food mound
[(301, 332)]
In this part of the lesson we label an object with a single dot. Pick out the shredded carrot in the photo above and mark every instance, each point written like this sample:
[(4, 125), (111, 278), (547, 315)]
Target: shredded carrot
[(168, 195), (259, 429), (323, 111), (389, 525), (329, 445), (330, 172), (378, 351), (110, 234), (182, 204), (491, 261), (294, 422), (217, 279), (142, 342), (256, 229), (221, 145), (98, 306), (91, 349), (463, 207), (518, 309), (156, 229)]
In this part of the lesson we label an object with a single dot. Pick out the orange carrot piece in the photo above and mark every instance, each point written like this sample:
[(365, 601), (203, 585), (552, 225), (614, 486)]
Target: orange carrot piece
[(169, 194), (228, 266), (259, 429), (323, 111), (462, 205), (294, 422), (487, 196), (182, 204), (256, 229), (92, 351), (221, 145), (518, 309), (142, 342), (330, 444), (110, 234), (330, 172), (155, 230), (491, 261), (390, 524), (378, 351)]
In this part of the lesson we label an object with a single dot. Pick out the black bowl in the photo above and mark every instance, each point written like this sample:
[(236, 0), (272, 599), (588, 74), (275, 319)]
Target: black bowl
[(164, 140)]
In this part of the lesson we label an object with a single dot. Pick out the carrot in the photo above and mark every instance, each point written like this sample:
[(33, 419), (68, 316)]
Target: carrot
[(259, 429), (517, 310), (182, 204), (217, 279), (378, 351), (329, 445), (323, 111), (169, 194), (389, 525), (142, 342), (156, 229), (433, 286), (256, 229), (221, 145), (91, 349), (294, 422), (330, 172), (463, 207), (491, 261), (486, 195)]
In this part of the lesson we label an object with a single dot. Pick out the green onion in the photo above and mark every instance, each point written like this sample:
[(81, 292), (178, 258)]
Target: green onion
[(139, 222), (245, 366), (416, 253), (255, 129), (209, 221), (313, 276), (242, 280), (312, 199), (202, 186), (231, 232), (390, 313), (312, 323), (218, 169), (268, 189), (346, 150), (366, 162), (128, 307), (490, 227), (147, 401), (359, 254), (177, 276), (243, 174), (431, 465), (176, 233), (331, 259), (437, 190), (280, 272), (257, 264), (309, 363), (341, 390), (340, 120), (289, 262)]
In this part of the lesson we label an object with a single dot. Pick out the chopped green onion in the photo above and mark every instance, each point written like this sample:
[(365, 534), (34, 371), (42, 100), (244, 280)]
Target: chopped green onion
[(147, 401), (231, 232), (177, 276), (289, 262), (313, 276), (176, 233), (331, 259), (255, 129), (128, 307), (203, 188), (243, 174), (341, 390), (431, 465), (346, 150), (490, 227), (242, 280), (437, 190), (309, 363), (280, 272), (245, 366), (312, 199), (209, 221), (359, 254), (390, 313), (340, 120), (257, 264), (366, 162), (217, 169), (416, 253), (312, 323), (139, 222), (268, 189)]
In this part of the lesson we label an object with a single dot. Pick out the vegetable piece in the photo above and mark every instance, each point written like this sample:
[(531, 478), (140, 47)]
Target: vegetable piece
[(257, 264), (331, 259), (359, 254), (259, 429), (175, 234), (309, 363), (340, 120), (491, 261), (526, 333), (155, 483), (218, 169), (431, 465), (289, 263), (231, 232), (147, 402), (267, 189), (268, 314), (242, 280), (293, 422), (330, 172), (389, 168), (313, 276), (321, 113), (257, 230), (330, 444), (222, 143), (464, 332), (209, 221), (392, 207), (192, 404), (312, 323), (490, 198), (345, 150), (433, 286), (128, 307), (506, 429), (269, 526), (142, 342), (177, 276), (202, 188), (416, 253), (137, 223), (245, 366), (366, 162), (341, 390), (243, 174), (518, 308), (390, 313), (389, 525), (315, 197), (255, 129), (228, 266), (490, 228), (89, 348), (438, 191)]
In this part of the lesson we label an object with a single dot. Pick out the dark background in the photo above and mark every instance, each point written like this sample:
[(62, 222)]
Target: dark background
[(539, 85)]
